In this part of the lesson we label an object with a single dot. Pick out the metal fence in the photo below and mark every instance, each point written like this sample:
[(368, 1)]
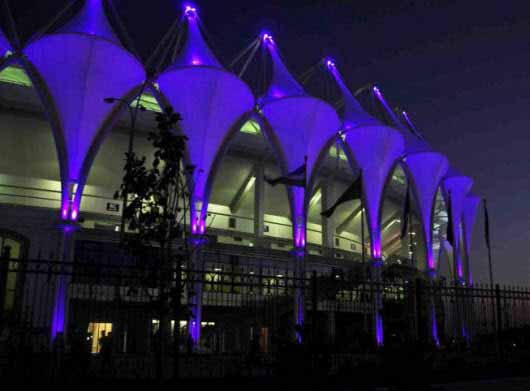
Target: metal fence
[(114, 313)]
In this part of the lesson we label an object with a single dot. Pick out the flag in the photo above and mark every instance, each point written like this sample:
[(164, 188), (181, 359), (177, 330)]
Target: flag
[(487, 226), (354, 192), (449, 234), (406, 214), (294, 178)]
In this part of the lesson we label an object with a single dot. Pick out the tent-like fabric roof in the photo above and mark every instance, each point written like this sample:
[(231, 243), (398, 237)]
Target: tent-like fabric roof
[(81, 66), (211, 102), (91, 20), (427, 170), (375, 148), (4, 45), (303, 125)]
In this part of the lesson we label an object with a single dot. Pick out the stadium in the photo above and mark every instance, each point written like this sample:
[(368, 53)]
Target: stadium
[(69, 111)]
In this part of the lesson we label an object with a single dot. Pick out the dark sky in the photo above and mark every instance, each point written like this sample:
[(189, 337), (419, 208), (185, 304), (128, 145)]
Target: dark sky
[(461, 68)]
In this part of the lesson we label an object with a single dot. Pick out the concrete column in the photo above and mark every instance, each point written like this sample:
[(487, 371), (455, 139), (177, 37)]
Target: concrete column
[(195, 288), (259, 201), (377, 302), (59, 319), (299, 297)]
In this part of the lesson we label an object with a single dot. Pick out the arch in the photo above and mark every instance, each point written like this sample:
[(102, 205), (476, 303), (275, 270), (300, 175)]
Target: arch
[(52, 114), (217, 88), (414, 252), (426, 171), (78, 131), (375, 149), (439, 224)]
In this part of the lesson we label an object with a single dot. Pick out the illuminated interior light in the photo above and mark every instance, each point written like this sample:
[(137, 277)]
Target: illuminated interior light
[(250, 184), (316, 198)]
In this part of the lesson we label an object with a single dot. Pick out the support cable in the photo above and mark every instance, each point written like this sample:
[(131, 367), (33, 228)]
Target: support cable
[(12, 27), (242, 53), (126, 37), (54, 21), (165, 43)]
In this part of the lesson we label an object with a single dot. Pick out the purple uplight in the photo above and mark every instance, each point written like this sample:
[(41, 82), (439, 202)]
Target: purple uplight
[(196, 61), (74, 214), (190, 11), (195, 331), (267, 38), (330, 64), (59, 309), (379, 335), (300, 236), (434, 328)]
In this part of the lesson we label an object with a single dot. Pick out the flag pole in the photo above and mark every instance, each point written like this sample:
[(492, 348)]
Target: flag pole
[(488, 243)]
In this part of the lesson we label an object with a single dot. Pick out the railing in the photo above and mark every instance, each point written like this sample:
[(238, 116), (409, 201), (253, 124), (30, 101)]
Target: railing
[(247, 312)]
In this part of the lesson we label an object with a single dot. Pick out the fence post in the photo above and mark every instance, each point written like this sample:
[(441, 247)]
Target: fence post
[(500, 347), (314, 306)]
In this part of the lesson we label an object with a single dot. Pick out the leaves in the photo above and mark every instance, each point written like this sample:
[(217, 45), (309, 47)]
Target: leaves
[(155, 190)]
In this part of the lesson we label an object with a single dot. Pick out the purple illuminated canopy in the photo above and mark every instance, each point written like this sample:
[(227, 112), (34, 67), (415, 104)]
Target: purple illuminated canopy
[(302, 124), (195, 51), (4, 45), (354, 114), (376, 150), (426, 171), (80, 66), (211, 102), (91, 20)]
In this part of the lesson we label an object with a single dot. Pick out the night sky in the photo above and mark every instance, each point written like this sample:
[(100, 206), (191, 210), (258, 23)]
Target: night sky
[(461, 69)]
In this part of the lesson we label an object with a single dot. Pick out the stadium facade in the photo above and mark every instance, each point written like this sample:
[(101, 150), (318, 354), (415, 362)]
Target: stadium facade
[(62, 150)]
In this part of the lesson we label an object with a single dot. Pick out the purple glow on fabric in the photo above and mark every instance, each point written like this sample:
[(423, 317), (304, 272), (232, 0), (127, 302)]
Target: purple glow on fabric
[(282, 83), (427, 170), (218, 100), (91, 20), (459, 187), (303, 126), (375, 149), (469, 215), (379, 332), (354, 114), (4, 45), (91, 69), (196, 51)]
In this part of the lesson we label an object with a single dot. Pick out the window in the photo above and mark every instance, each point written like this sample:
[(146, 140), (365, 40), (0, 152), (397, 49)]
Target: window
[(12, 248), (97, 332)]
